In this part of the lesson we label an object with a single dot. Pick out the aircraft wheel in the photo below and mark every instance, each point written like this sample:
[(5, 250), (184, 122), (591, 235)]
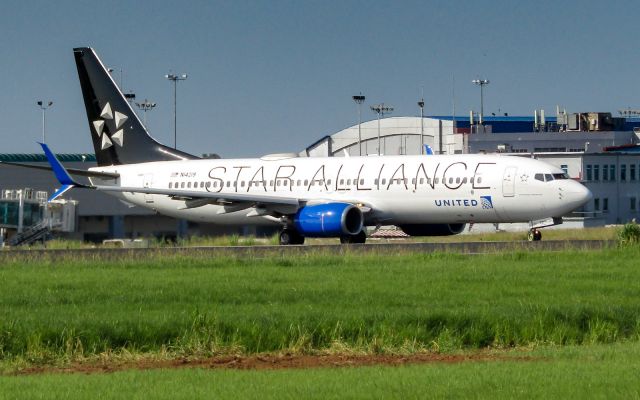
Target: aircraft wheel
[(534, 235), (537, 235), (285, 238), (297, 238), (359, 238), (288, 237)]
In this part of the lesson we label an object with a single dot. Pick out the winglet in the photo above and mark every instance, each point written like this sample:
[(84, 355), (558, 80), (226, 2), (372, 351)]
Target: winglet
[(59, 192), (61, 173)]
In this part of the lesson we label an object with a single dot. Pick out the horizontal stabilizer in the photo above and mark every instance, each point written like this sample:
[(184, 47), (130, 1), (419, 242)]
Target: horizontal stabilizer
[(71, 171)]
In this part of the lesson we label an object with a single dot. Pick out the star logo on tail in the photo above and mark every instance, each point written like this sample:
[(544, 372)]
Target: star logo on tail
[(115, 118)]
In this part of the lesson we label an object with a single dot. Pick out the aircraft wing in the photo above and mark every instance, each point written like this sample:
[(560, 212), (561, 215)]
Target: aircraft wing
[(233, 201), (220, 197)]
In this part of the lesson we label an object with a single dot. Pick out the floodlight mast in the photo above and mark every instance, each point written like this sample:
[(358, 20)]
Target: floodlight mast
[(128, 96), (629, 112), (44, 106), (421, 105), (481, 83), (381, 109), (145, 106), (175, 78), (359, 99)]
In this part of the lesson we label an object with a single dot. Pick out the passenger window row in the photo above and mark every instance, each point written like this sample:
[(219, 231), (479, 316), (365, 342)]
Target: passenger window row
[(318, 182)]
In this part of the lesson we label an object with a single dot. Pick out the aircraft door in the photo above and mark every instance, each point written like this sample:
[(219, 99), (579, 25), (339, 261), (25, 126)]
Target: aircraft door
[(509, 182), (147, 182)]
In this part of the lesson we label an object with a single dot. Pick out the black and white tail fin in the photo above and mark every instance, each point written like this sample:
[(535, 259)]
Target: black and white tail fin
[(116, 131)]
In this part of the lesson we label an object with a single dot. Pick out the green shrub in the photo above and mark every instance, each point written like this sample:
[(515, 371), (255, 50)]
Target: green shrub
[(629, 234)]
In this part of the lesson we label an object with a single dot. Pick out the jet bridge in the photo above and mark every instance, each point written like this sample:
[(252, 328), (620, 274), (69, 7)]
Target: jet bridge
[(26, 217)]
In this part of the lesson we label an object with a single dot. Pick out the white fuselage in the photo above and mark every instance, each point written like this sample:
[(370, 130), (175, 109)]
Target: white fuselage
[(397, 189)]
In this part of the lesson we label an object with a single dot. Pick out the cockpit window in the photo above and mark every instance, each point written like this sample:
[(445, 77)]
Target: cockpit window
[(549, 177)]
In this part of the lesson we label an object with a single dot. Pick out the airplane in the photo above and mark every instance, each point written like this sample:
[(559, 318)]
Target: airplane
[(308, 196)]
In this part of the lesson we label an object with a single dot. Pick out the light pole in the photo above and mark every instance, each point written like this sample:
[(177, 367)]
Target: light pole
[(481, 83), (421, 105), (145, 106), (359, 99), (175, 79), (112, 70), (381, 110), (128, 96), (43, 107)]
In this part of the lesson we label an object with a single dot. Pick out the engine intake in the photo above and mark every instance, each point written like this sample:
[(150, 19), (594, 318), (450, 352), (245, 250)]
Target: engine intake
[(329, 220)]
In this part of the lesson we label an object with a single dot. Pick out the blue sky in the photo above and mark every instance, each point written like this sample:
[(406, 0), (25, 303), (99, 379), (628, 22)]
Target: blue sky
[(275, 76)]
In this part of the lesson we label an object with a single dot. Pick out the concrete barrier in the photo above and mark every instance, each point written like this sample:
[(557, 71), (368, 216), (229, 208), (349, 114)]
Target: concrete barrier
[(264, 251)]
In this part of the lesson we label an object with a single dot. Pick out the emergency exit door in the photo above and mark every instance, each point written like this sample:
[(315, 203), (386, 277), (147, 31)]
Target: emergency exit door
[(509, 182), (147, 182)]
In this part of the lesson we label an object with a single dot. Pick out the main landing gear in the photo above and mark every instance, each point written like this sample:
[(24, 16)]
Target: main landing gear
[(358, 238), (534, 235), (290, 236)]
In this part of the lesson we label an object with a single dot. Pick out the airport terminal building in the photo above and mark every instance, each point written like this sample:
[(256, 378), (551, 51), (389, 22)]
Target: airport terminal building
[(594, 148)]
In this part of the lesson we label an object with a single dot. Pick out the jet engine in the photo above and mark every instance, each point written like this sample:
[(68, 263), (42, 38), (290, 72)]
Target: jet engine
[(328, 220)]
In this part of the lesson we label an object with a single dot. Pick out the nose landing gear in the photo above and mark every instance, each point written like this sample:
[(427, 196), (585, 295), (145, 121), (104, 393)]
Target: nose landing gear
[(534, 233)]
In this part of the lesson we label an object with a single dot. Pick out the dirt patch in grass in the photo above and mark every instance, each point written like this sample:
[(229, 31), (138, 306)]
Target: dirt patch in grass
[(272, 362)]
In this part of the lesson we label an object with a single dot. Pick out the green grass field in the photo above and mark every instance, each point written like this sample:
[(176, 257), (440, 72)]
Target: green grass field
[(574, 316), (594, 371), (53, 313)]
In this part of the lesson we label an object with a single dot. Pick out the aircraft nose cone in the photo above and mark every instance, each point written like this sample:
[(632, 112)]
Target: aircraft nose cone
[(586, 196), (579, 194)]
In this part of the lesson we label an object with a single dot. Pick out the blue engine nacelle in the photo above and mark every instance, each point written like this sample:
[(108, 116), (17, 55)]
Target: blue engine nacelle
[(328, 220)]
